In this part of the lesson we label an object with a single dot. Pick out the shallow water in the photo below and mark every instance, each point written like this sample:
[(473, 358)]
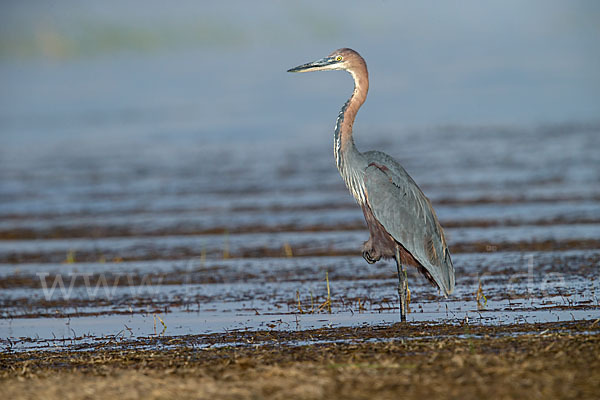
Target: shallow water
[(210, 296), (214, 249)]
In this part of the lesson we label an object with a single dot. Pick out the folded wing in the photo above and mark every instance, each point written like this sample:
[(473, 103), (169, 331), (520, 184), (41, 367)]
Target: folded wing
[(407, 215)]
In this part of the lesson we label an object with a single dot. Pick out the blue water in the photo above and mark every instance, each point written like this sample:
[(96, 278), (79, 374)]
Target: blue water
[(161, 123), (74, 72)]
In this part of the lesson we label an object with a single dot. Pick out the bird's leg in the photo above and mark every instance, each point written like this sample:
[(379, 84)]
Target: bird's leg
[(402, 287)]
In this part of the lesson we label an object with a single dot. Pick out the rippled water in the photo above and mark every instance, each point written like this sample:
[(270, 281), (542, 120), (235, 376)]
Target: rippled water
[(215, 214), (209, 248)]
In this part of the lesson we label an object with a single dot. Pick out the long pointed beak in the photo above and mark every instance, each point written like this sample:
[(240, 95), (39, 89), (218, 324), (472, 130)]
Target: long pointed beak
[(321, 64)]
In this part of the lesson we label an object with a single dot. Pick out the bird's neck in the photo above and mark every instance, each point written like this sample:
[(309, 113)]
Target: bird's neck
[(343, 127), (346, 154)]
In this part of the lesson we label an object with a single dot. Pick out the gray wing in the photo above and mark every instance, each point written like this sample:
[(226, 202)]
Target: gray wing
[(404, 211)]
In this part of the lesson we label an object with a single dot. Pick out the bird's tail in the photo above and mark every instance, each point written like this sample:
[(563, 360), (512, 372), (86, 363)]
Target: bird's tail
[(445, 278)]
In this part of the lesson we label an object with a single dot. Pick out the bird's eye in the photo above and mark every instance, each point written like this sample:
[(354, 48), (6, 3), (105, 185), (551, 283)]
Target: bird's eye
[(338, 58)]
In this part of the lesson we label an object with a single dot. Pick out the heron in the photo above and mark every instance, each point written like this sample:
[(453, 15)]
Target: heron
[(401, 220)]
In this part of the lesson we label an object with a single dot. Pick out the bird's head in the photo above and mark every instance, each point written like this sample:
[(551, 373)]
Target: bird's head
[(341, 59)]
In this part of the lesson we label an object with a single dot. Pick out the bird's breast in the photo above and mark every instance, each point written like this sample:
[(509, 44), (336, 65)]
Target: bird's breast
[(355, 182)]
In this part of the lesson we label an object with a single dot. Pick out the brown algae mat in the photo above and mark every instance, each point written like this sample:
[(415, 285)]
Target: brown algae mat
[(534, 361)]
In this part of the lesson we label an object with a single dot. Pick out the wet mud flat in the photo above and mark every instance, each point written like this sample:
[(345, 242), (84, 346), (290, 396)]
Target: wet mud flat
[(182, 275), (544, 360)]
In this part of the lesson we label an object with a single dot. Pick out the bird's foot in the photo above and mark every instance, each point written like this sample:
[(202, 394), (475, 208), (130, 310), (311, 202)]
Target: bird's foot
[(368, 258)]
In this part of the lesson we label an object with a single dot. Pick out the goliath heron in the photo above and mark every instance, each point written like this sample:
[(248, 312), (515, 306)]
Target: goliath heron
[(401, 221)]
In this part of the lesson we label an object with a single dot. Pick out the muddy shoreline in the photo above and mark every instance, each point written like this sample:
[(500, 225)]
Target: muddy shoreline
[(551, 360)]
